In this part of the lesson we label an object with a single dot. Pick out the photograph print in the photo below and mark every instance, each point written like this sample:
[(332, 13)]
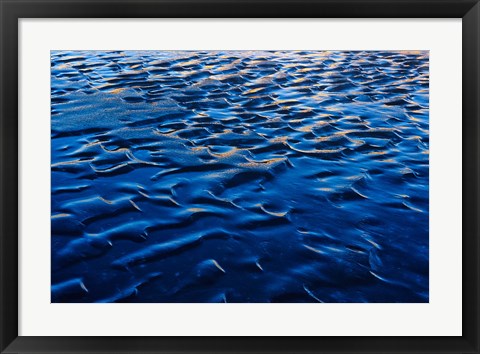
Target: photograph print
[(240, 176)]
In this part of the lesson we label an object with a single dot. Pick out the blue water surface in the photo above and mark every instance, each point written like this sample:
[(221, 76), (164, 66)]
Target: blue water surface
[(239, 176)]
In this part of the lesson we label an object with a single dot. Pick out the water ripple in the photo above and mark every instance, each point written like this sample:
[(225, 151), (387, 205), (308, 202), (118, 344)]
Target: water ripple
[(240, 176)]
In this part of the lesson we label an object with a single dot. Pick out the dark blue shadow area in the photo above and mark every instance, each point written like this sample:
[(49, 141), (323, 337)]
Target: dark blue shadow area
[(240, 176)]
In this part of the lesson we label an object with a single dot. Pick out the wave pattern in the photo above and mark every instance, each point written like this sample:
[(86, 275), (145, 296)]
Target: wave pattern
[(208, 176)]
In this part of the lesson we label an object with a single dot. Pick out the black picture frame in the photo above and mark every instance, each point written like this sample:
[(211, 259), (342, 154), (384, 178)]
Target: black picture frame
[(13, 10)]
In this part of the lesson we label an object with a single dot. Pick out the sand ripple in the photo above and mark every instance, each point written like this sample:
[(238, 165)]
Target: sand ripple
[(290, 176)]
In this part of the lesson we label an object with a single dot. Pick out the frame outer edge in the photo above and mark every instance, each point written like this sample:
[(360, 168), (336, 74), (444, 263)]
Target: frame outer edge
[(242, 8), (3, 321), (9, 14), (8, 175), (471, 174)]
